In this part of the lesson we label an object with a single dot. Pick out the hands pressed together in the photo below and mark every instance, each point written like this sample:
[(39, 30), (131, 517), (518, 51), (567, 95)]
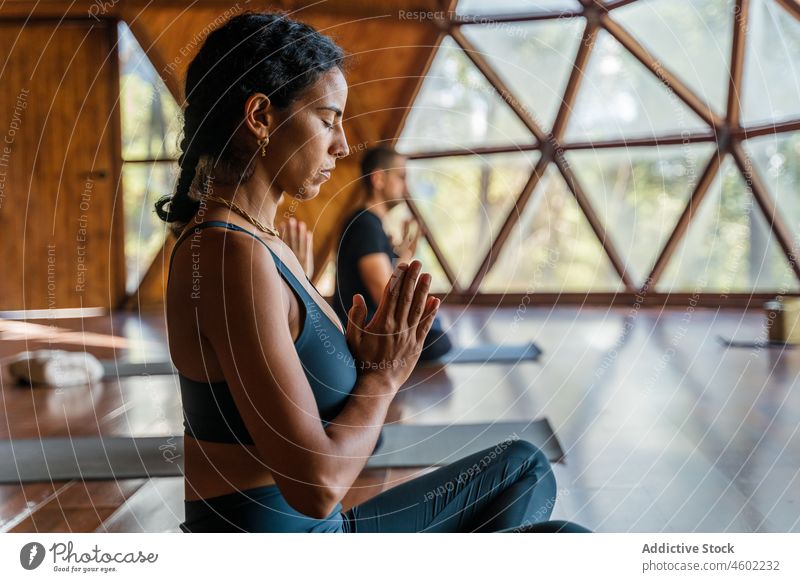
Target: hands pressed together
[(390, 344)]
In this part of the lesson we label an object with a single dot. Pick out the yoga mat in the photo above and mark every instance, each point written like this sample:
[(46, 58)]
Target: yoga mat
[(487, 353), (88, 458), (421, 445), (124, 369), (732, 343)]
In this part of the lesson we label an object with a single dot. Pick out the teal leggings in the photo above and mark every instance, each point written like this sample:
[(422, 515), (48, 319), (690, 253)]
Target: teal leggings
[(506, 488)]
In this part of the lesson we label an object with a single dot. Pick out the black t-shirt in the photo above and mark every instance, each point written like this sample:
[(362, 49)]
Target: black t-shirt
[(362, 235)]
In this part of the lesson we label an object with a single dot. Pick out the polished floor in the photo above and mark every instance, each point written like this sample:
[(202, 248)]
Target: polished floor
[(664, 428)]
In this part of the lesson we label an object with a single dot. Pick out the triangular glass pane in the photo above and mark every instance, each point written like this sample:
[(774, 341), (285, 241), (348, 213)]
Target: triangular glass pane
[(552, 248), (465, 200), (514, 6), (457, 108), (692, 39), (439, 281), (729, 246), (620, 98), (638, 194), (151, 119), (771, 83), (776, 157), (534, 60), (143, 184)]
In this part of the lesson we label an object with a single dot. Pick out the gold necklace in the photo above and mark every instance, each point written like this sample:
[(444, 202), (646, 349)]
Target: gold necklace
[(239, 210)]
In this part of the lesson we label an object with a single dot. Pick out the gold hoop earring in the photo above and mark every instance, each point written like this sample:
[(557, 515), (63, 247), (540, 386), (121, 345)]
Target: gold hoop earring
[(263, 143)]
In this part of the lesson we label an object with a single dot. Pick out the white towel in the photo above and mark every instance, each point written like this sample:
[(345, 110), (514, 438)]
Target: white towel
[(56, 367)]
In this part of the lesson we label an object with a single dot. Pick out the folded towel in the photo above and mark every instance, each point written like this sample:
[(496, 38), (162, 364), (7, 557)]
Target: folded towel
[(56, 367)]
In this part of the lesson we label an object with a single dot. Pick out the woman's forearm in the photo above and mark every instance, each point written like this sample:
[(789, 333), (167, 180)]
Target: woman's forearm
[(354, 432)]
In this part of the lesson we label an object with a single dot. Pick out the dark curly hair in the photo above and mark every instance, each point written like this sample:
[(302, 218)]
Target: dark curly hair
[(251, 53)]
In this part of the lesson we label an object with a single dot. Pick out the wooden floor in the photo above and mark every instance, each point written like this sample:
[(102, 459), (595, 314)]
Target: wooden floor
[(664, 428)]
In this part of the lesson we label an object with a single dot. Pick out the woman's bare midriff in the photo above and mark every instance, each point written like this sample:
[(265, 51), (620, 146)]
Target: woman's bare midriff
[(213, 469)]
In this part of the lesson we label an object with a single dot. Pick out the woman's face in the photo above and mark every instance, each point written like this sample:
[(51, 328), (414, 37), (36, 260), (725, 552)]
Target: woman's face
[(308, 137)]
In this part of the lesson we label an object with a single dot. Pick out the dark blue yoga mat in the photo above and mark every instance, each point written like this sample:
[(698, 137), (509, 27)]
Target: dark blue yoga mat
[(123, 369), (487, 353), (420, 445), (106, 458)]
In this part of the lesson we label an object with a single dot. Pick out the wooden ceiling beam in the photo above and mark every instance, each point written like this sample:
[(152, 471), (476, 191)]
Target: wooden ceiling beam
[(791, 6), (654, 141), (767, 129), (675, 299)]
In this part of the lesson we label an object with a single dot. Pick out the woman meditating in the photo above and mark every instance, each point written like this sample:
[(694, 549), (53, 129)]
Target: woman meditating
[(283, 407)]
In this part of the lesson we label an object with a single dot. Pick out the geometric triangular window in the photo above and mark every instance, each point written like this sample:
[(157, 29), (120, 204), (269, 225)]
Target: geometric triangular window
[(439, 282), (777, 160), (642, 115), (639, 194), (150, 131), (457, 108), (620, 98), (691, 39), (771, 84), (543, 55), (464, 200), (729, 246), (552, 248), (150, 115)]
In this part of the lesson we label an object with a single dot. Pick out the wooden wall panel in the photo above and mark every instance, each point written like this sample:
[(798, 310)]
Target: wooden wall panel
[(59, 227)]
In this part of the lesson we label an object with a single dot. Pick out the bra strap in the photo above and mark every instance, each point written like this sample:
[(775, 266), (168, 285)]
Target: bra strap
[(285, 271)]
